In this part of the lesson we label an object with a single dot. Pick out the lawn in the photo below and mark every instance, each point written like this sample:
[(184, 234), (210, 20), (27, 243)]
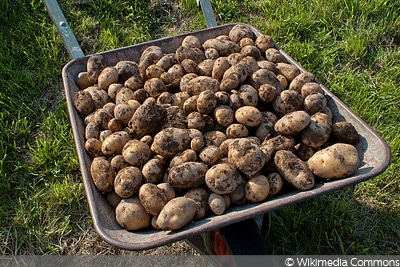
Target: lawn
[(352, 46)]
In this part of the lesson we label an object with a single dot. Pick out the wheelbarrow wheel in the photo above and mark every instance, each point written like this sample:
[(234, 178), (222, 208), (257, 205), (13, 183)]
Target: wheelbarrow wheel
[(243, 238)]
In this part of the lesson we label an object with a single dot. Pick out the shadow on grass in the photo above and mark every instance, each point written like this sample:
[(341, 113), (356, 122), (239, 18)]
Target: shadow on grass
[(332, 224)]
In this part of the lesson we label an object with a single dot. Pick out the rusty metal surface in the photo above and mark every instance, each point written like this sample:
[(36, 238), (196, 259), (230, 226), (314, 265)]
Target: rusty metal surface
[(374, 151)]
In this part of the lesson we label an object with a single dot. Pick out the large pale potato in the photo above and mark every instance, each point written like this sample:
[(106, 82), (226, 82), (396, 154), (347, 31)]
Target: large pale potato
[(177, 213), (131, 215), (336, 161)]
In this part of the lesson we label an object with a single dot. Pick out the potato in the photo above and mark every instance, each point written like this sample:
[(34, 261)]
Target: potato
[(223, 47), (109, 107), (187, 175), (83, 102), (344, 132), (217, 203), (236, 130), (224, 115), (205, 67), (199, 84), (280, 142), (249, 95), (114, 143), (234, 100), (93, 147), (288, 70), (195, 120), (292, 123), (193, 53), (94, 65), (191, 41), (169, 191), (233, 77), (167, 61), (154, 71), (175, 117), (268, 65), (123, 112), (184, 156), (104, 134), (257, 188), (136, 152), (220, 65), (82, 80), (170, 141), (200, 196), (287, 101), (149, 56), (210, 155), (146, 118), (190, 66), (107, 76), (318, 130), (238, 196), (251, 65), (126, 69), (297, 83), (246, 156), (252, 51), (118, 162), (115, 125), (102, 174), (246, 41), (153, 171), (264, 130), (214, 138), (294, 170), (222, 178), (99, 96), (206, 102), (273, 55), (131, 215), (267, 93), (283, 81), (154, 87), (177, 213), (92, 130), (311, 88), (263, 42), (275, 183), (179, 98), (264, 76), (336, 161), (249, 116), (102, 117), (197, 144), (124, 94), (134, 82), (211, 53), (315, 103), (152, 198), (127, 181), (239, 32)]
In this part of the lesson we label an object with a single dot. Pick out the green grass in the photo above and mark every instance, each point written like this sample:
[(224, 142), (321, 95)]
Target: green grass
[(351, 46)]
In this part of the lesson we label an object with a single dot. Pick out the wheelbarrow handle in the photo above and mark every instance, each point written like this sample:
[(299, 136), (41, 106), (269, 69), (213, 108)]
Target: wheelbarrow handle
[(74, 50), (72, 45), (207, 12)]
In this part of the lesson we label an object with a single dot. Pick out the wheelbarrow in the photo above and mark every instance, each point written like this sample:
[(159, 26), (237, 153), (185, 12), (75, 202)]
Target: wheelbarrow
[(240, 230)]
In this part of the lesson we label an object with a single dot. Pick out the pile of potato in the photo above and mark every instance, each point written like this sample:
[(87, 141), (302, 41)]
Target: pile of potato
[(178, 136)]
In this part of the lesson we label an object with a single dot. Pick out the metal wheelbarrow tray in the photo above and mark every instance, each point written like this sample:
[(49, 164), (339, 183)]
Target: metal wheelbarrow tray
[(373, 150)]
